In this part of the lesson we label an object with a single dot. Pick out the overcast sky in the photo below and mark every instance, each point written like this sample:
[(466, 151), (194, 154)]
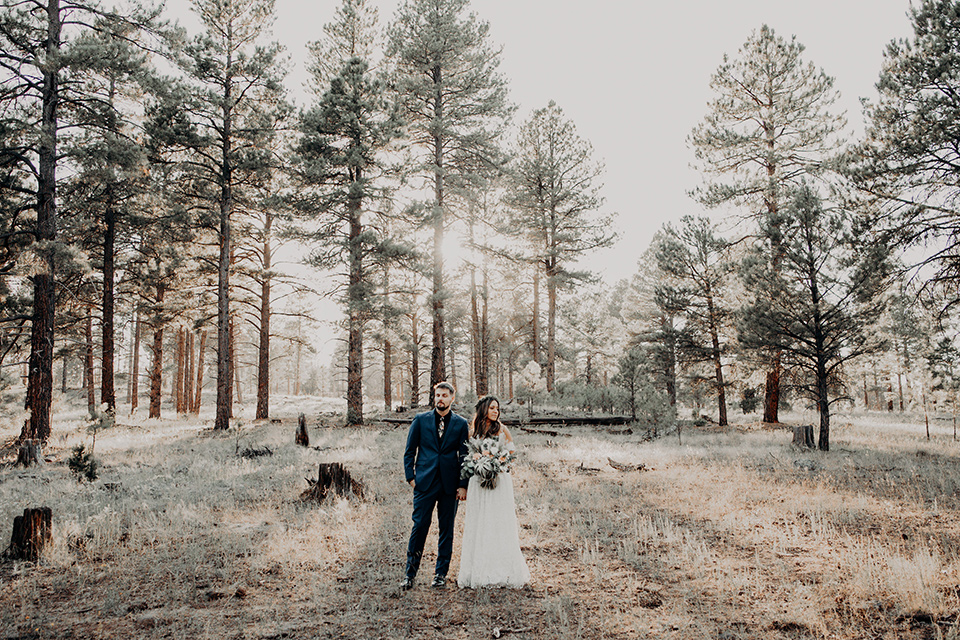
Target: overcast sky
[(634, 77)]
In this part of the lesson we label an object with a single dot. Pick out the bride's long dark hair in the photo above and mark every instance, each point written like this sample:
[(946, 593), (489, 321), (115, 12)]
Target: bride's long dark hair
[(483, 428)]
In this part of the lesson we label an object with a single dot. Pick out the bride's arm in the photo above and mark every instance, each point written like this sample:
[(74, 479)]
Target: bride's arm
[(508, 437)]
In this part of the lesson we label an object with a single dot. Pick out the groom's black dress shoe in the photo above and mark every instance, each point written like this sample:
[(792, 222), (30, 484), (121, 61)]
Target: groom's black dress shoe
[(439, 582), (406, 584)]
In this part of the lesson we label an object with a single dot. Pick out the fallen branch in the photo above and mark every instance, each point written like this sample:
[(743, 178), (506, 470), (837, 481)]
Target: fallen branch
[(622, 466)]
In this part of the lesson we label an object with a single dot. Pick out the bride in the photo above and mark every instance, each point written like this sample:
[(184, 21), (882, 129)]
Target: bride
[(490, 552)]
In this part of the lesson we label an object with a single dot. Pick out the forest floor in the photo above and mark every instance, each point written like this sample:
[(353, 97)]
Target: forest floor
[(728, 534)]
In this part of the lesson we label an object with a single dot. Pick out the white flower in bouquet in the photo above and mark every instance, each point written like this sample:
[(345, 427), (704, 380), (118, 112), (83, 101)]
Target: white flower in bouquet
[(486, 458)]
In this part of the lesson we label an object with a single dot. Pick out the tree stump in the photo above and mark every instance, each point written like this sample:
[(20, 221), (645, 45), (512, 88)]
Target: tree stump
[(31, 533), (803, 436), (332, 478), (302, 439), (30, 453)]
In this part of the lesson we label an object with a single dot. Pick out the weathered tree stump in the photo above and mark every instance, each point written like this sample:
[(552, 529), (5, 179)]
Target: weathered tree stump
[(302, 439), (30, 453), (803, 436), (332, 478), (31, 533)]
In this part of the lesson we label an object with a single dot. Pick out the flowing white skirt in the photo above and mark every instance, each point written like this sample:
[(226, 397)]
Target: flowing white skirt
[(490, 551)]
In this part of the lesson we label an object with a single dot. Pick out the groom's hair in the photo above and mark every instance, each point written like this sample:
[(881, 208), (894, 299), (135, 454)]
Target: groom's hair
[(445, 385)]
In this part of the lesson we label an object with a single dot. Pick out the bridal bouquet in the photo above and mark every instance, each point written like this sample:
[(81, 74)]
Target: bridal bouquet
[(486, 458)]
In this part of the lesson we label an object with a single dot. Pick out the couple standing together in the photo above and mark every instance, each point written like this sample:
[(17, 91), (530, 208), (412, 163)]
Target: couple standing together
[(436, 446)]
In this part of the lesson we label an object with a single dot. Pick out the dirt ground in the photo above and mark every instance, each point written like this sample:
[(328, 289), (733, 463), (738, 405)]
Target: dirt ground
[(729, 534)]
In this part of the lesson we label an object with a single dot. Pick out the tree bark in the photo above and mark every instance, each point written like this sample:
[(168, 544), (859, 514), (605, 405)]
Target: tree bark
[(551, 324), (535, 328), (438, 369), (156, 369), (180, 375), (88, 382), (355, 316), (717, 362), (108, 395), (31, 533), (199, 387), (302, 438), (135, 371), (771, 398), (188, 373), (263, 348), (414, 359), (30, 453), (224, 372), (387, 374), (483, 385), (39, 396)]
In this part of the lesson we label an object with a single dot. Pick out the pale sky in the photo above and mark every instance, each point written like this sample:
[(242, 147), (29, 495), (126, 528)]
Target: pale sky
[(634, 77)]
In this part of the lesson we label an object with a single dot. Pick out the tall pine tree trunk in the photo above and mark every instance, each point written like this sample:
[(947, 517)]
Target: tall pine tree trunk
[(39, 396), (355, 316), (181, 371), (263, 348), (483, 385), (551, 324), (224, 325), (199, 386), (475, 357), (387, 374), (135, 369), (438, 369), (108, 395), (88, 381), (717, 362), (414, 359), (156, 368), (188, 373), (535, 328)]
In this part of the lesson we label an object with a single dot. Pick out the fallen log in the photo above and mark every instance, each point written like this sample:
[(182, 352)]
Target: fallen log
[(623, 466), (544, 432)]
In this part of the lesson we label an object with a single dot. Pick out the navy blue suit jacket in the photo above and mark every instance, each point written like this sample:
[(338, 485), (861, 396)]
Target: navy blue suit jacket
[(426, 457)]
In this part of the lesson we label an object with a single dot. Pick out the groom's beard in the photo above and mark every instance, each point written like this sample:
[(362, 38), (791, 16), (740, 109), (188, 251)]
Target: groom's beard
[(441, 407)]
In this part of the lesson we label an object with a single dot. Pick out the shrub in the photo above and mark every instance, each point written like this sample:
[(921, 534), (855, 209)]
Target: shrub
[(83, 464)]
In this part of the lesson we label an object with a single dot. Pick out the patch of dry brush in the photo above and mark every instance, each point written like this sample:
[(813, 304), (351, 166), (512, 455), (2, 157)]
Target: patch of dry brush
[(732, 534)]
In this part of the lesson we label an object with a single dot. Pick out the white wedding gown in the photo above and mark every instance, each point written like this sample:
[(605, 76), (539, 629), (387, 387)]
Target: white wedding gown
[(490, 553)]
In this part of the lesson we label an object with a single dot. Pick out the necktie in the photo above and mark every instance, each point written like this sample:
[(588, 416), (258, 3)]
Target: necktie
[(440, 425)]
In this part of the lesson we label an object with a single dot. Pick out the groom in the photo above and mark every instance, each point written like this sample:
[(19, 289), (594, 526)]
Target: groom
[(436, 445)]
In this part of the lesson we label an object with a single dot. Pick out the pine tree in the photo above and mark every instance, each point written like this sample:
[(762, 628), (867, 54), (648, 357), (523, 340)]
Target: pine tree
[(695, 258), (824, 297), (909, 162), (768, 129), (234, 104), (341, 157), (557, 202), (455, 109), (45, 60)]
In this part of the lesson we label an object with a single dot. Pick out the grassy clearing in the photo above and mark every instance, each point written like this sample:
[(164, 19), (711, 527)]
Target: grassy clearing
[(731, 535)]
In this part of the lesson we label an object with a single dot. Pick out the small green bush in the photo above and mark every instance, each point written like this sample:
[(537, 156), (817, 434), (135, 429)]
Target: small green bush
[(83, 464)]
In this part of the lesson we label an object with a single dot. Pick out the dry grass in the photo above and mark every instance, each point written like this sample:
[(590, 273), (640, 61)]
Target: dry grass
[(731, 535)]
